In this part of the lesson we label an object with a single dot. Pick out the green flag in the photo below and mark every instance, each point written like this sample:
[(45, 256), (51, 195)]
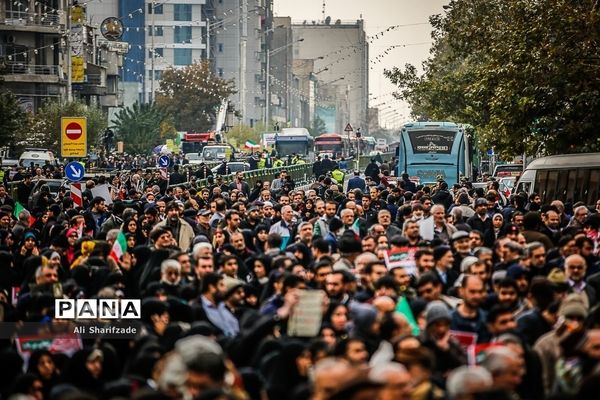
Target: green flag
[(18, 208), (404, 308)]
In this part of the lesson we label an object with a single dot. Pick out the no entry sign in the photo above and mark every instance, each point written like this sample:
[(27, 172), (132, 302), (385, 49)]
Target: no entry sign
[(73, 137), (74, 131)]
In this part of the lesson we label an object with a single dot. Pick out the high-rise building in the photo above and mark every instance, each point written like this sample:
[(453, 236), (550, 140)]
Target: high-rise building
[(280, 70), (33, 49), (341, 61), (33, 56), (239, 33), (160, 35)]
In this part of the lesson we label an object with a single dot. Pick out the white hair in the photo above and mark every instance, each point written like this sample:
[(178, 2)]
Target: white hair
[(112, 234), (380, 372), (200, 246), (463, 380), (497, 358), (436, 206), (346, 211), (165, 265)]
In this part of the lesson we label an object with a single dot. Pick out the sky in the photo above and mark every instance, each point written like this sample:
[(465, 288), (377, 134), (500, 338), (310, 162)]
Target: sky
[(378, 15)]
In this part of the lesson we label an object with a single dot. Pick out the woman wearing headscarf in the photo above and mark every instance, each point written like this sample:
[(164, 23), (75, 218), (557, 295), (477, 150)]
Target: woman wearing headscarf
[(84, 370), (72, 236), (139, 257), (8, 274), (133, 227), (366, 326), (260, 267), (290, 371), (336, 317), (41, 363), (261, 232), (27, 248)]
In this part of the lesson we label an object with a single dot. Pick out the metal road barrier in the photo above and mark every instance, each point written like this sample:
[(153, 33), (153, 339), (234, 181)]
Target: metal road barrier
[(301, 174), (364, 160)]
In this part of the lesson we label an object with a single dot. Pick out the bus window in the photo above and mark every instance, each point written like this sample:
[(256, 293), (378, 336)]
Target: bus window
[(594, 184), (574, 186), (541, 180), (523, 187), (563, 183), (551, 186), (583, 177)]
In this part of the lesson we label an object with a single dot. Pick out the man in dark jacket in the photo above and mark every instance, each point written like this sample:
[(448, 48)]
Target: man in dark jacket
[(442, 196), (203, 172), (356, 182), (176, 177), (372, 170), (407, 184)]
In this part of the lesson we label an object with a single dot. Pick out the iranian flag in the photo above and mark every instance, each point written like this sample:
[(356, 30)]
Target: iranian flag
[(18, 208), (119, 247), (251, 145)]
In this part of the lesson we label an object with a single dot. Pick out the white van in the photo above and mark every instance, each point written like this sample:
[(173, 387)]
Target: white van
[(38, 157)]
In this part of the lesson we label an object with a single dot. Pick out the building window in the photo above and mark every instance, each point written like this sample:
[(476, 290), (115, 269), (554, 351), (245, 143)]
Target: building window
[(158, 52), (182, 12), (182, 57), (158, 30), (183, 34), (220, 72), (220, 47), (157, 75), (158, 8)]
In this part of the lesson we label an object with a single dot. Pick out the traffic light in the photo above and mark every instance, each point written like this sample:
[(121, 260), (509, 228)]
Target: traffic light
[(358, 134)]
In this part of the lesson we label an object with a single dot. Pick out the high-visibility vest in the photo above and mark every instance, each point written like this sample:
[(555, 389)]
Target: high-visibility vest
[(277, 163), (338, 175)]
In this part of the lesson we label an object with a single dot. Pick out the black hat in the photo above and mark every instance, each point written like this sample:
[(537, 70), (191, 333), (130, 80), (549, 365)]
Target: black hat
[(439, 252)]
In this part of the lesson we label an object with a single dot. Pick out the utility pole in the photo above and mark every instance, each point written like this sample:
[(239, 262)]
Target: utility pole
[(267, 83), (243, 41), (152, 55), (68, 46)]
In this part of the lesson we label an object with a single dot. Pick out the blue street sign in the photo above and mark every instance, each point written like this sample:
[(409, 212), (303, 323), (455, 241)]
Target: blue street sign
[(74, 171), (490, 152), (164, 161)]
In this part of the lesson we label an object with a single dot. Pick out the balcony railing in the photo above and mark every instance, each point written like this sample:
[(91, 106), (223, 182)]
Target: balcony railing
[(94, 79), (32, 69), (27, 18)]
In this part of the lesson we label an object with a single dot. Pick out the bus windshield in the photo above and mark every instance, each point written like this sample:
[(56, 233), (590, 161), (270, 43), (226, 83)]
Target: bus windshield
[(285, 148), (439, 142), (508, 170), (430, 151), (329, 147), (214, 153)]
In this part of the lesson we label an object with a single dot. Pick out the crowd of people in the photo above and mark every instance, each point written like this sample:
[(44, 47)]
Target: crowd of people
[(423, 293)]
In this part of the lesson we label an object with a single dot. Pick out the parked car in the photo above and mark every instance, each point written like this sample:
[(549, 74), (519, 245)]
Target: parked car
[(38, 157), (193, 158)]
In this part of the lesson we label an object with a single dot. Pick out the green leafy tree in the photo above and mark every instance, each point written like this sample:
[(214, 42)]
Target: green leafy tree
[(525, 74), (239, 134), (141, 127), (12, 118), (318, 126), (192, 95), (44, 128)]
